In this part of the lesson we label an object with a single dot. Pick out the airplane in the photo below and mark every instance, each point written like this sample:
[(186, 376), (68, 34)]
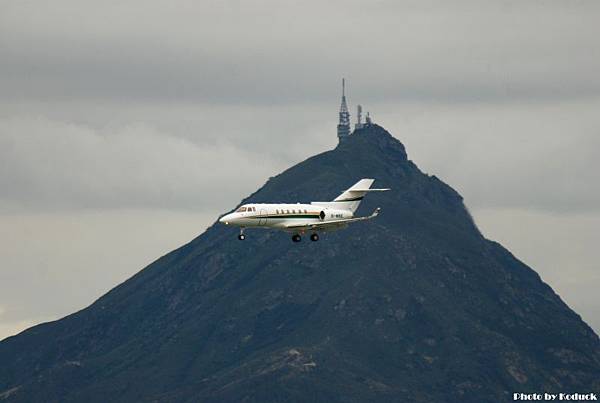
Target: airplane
[(301, 218)]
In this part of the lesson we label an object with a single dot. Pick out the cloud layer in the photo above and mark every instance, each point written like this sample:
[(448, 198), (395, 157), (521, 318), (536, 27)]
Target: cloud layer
[(266, 52), (57, 165)]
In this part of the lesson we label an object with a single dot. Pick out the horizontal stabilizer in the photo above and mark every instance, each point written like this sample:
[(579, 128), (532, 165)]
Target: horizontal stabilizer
[(367, 190)]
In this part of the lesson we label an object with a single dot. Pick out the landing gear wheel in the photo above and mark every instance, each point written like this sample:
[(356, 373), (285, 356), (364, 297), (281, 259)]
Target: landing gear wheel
[(314, 237), (296, 238), (241, 237)]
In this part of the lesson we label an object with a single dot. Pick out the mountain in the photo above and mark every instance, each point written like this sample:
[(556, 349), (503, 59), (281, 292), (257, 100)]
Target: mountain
[(415, 305)]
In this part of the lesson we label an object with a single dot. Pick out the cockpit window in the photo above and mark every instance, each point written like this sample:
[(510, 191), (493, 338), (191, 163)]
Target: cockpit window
[(241, 209)]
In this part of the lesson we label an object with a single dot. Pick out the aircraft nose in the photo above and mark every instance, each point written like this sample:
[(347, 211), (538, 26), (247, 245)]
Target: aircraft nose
[(225, 219)]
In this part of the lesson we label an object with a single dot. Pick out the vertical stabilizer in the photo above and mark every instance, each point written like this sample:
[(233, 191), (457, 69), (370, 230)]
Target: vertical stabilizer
[(351, 198)]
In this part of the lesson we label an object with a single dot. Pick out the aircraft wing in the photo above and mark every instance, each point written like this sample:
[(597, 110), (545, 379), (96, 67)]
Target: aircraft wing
[(333, 224)]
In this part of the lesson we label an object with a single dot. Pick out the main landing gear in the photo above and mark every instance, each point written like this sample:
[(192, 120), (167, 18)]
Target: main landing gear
[(241, 236), (313, 237)]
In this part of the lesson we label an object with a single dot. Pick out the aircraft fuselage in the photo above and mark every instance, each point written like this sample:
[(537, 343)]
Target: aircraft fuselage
[(300, 218), (282, 216)]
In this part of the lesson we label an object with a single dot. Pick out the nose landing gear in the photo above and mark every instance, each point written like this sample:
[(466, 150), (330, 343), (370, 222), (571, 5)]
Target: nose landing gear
[(314, 237), (241, 236)]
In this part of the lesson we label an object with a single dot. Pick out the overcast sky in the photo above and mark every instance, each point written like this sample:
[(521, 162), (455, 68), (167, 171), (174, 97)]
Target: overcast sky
[(121, 121)]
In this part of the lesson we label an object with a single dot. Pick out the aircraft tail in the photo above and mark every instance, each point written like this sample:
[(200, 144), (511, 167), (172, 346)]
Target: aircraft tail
[(351, 198)]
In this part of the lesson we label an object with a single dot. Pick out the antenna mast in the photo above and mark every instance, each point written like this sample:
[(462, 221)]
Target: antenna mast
[(343, 127)]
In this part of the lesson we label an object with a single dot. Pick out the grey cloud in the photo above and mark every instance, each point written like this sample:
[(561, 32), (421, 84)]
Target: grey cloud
[(540, 156), (48, 164), (272, 54)]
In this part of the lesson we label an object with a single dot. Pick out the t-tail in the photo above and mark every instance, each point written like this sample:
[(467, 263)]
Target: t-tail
[(351, 198)]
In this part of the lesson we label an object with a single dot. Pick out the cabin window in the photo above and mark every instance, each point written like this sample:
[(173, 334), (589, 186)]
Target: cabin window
[(304, 211), (276, 211)]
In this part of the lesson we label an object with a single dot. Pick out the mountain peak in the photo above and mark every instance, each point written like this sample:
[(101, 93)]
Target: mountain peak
[(414, 305), (372, 136)]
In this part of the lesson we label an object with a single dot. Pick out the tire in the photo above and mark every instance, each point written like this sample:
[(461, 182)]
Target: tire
[(314, 237), (296, 238), (241, 237)]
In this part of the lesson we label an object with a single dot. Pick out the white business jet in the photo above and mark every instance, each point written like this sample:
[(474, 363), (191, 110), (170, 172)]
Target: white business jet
[(301, 218)]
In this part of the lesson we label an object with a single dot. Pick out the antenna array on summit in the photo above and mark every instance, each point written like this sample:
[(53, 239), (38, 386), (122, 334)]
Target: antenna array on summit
[(343, 127)]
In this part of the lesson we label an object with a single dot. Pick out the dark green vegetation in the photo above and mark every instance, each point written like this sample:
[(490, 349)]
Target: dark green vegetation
[(414, 305)]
